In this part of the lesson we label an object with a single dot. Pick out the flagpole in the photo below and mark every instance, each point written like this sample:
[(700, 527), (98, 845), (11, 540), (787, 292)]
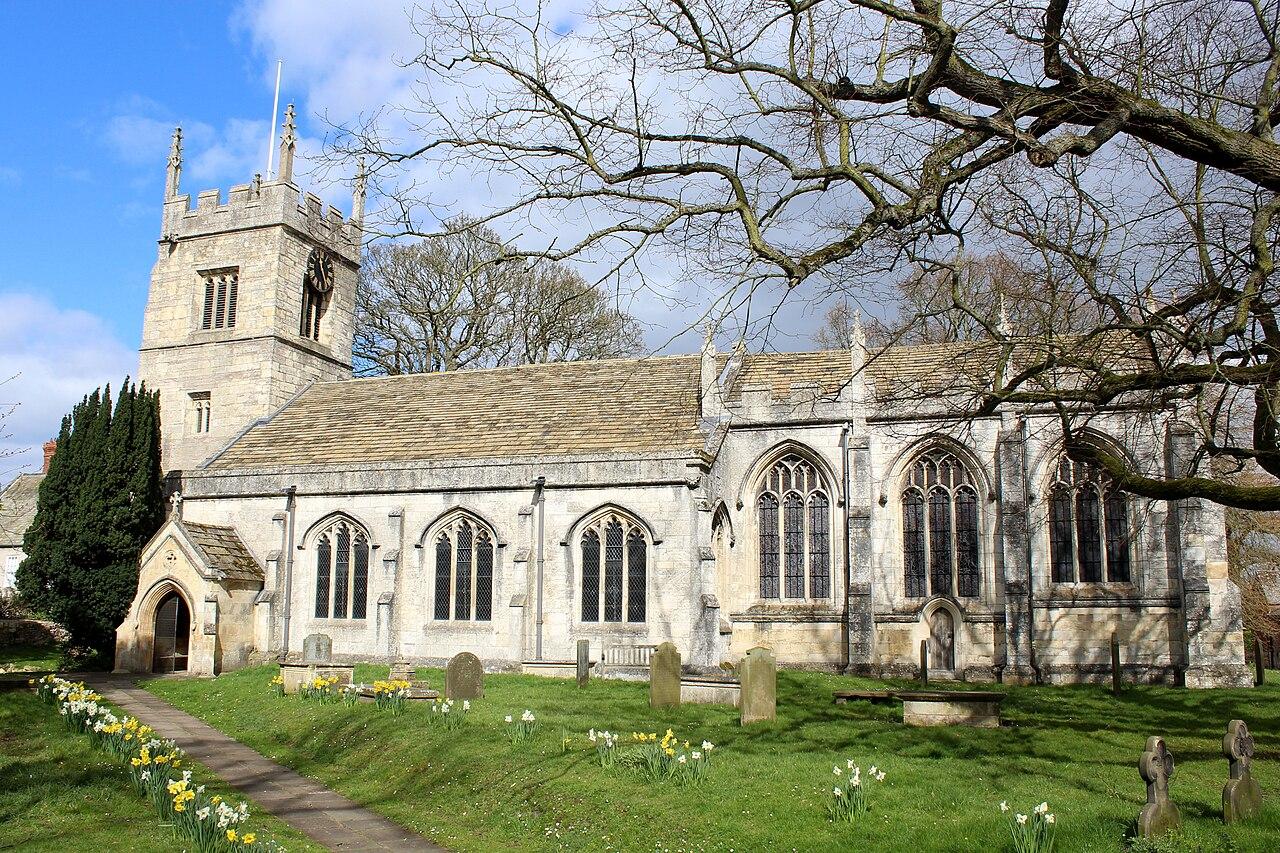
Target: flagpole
[(275, 108)]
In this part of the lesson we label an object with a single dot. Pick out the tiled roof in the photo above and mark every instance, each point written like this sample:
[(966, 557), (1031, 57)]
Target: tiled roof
[(18, 508), (223, 551), (620, 406)]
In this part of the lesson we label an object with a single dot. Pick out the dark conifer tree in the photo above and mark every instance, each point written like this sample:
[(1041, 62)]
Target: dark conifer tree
[(99, 504)]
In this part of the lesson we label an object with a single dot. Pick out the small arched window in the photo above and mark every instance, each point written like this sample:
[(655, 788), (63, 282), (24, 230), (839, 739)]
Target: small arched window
[(464, 570), (793, 521), (1088, 526), (940, 528), (342, 571), (615, 556)]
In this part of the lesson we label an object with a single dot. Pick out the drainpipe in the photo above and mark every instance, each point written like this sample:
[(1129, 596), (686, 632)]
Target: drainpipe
[(291, 498), (540, 501), (848, 566), (1026, 514)]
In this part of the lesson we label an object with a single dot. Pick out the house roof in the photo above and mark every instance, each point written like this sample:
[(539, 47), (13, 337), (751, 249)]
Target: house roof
[(620, 406), (18, 508), (223, 551)]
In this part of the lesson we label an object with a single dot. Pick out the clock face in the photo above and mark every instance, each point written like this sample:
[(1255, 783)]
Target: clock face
[(320, 270)]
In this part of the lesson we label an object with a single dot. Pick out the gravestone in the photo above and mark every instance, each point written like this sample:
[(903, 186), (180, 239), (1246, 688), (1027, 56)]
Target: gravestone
[(584, 662), (1159, 815), (1241, 796), (924, 662), (317, 648), (1115, 665), (664, 677), (758, 674), (464, 677), (1259, 671), (402, 670)]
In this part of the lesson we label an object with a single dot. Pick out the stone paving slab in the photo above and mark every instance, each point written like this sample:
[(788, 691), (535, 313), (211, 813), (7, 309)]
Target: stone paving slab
[(323, 815)]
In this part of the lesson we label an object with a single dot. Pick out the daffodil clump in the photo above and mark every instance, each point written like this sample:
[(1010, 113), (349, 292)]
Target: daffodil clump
[(668, 760), (277, 685), (448, 713), (1032, 833), (320, 688), (391, 695), (849, 799), (606, 744), (521, 729), (209, 824), (349, 694)]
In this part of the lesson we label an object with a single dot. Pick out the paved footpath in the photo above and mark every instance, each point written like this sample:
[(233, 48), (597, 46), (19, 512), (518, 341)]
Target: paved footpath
[(323, 815)]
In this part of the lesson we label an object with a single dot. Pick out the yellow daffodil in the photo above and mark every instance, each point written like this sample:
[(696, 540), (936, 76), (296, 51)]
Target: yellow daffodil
[(249, 838), (231, 835)]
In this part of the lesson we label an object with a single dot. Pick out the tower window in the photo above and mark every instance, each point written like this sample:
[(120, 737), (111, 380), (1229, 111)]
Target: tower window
[(220, 290), (316, 284), (202, 407)]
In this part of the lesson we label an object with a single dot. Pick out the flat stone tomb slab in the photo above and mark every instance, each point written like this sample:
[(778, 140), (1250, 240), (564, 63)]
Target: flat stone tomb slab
[(710, 690), (418, 692), (550, 668), (980, 709), (297, 674), (876, 696)]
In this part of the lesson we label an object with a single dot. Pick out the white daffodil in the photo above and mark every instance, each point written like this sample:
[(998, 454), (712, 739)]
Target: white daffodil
[(1049, 818), (203, 814), (1022, 819), (508, 718), (839, 792), (836, 770), (683, 759), (697, 755), (1004, 805), (1042, 808)]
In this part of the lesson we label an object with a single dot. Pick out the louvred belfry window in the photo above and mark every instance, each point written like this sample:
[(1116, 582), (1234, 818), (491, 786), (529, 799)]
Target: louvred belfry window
[(940, 540), (793, 520), (342, 571), (221, 290), (1088, 526), (464, 570), (615, 556)]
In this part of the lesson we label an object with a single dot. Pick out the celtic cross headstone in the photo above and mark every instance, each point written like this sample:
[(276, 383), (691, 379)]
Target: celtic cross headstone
[(1159, 815), (1241, 796)]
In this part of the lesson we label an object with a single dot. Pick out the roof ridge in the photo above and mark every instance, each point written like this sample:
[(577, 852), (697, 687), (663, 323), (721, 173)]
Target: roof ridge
[(541, 365)]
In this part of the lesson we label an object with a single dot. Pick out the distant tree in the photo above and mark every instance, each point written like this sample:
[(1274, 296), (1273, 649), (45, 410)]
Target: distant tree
[(6, 411), (100, 502), (459, 300)]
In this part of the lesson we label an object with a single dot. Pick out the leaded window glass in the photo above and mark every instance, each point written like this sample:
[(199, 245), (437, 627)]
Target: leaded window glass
[(1088, 526), (622, 596), (793, 519), (342, 571), (464, 569), (940, 533)]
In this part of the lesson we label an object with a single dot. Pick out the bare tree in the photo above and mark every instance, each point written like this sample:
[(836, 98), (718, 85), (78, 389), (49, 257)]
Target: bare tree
[(1124, 153), (458, 300)]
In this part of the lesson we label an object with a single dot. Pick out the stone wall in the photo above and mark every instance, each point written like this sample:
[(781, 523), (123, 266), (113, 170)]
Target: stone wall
[(31, 632)]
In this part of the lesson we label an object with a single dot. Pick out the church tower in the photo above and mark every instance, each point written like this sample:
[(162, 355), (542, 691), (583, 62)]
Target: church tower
[(250, 301)]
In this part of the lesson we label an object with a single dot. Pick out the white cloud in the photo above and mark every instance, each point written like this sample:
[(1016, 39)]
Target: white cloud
[(56, 356)]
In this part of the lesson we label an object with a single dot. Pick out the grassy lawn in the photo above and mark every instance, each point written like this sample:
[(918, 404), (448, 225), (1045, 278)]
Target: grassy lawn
[(59, 792), (472, 790), (30, 658)]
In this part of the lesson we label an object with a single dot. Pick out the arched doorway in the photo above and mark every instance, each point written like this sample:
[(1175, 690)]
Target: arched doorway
[(172, 634), (942, 641)]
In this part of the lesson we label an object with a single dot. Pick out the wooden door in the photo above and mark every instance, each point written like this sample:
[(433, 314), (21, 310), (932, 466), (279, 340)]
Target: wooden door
[(172, 635)]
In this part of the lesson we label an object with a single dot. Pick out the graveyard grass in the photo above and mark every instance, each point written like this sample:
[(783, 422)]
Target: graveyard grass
[(59, 792), (471, 789)]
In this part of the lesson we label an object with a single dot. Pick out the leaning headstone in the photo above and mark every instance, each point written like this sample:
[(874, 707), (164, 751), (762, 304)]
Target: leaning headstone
[(664, 677), (1159, 815), (924, 662), (584, 662), (464, 677), (758, 674), (317, 648), (1259, 671), (1115, 664), (1241, 796)]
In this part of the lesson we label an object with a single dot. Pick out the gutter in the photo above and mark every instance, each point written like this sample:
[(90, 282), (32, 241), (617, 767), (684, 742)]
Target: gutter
[(1026, 516), (540, 501), (290, 507), (848, 566)]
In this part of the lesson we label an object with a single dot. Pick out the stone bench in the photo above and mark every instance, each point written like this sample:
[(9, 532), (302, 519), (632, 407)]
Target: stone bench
[(710, 690), (979, 708)]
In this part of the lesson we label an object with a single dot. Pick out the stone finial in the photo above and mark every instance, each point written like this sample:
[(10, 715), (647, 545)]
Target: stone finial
[(358, 193), (1241, 796), (176, 501), (288, 142), (174, 171), (255, 186), (712, 405), (1003, 326), (1160, 814)]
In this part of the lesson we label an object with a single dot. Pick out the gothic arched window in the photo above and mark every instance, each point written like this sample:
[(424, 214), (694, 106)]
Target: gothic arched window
[(615, 557), (342, 571), (940, 528), (793, 520), (1088, 526), (464, 570)]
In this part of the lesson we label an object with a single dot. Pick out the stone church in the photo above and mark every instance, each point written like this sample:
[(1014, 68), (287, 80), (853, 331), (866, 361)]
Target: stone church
[(827, 505)]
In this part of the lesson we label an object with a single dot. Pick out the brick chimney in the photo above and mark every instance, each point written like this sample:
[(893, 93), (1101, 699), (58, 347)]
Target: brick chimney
[(50, 447)]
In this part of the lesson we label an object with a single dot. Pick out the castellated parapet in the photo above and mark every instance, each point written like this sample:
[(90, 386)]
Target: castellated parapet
[(251, 300)]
